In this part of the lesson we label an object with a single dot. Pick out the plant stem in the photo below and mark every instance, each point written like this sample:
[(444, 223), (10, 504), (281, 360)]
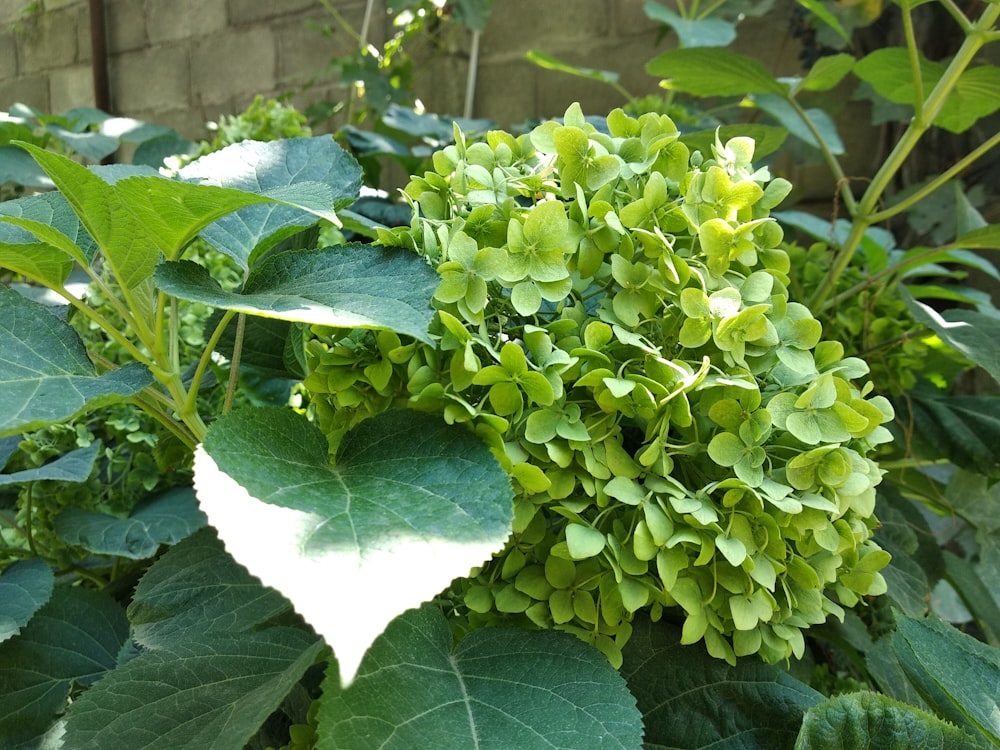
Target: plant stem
[(206, 357), (106, 326), (843, 182), (234, 364), (921, 122), (939, 181)]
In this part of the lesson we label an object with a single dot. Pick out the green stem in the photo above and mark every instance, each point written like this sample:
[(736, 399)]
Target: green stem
[(206, 357), (27, 518), (106, 326), (916, 75), (234, 364), (842, 181), (921, 122), (939, 181)]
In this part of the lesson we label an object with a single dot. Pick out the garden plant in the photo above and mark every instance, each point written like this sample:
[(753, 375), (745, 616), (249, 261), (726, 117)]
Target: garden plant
[(605, 447)]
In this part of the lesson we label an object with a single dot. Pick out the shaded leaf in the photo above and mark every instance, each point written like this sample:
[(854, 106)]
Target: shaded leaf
[(262, 168), (74, 466), (956, 674), (964, 429), (708, 71), (166, 518), (789, 117), (916, 563), (25, 586), (702, 702), (45, 372), (210, 692), (976, 595), (75, 637), (197, 588), (857, 720), (352, 286), (409, 505), (500, 687)]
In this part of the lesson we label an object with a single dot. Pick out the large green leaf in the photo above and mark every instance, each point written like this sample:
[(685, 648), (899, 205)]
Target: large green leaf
[(956, 674), (197, 588), (410, 504), (128, 246), (976, 93), (975, 335), (690, 700), (870, 720), (75, 637), (352, 286), (976, 500), (548, 62), (210, 692), (499, 688), (166, 518), (75, 466), (25, 586), (45, 373), (706, 71), (693, 32), (331, 178)]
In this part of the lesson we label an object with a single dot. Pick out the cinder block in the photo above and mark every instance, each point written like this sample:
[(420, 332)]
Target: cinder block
[(303, 51), (125, 24), (243, 12), (50, 41), (506, 93), (50, 5), (152, 79), (173, 20), (226, 66), (32, 90), (71, 87), (519, 25), (8, 55), (630, 19)]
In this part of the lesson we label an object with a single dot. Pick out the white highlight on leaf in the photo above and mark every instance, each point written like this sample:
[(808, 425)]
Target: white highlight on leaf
[(348, 595)]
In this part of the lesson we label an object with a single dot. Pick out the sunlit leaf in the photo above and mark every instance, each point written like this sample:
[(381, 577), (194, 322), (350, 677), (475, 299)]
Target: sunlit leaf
[(353, 286), (409, 505)]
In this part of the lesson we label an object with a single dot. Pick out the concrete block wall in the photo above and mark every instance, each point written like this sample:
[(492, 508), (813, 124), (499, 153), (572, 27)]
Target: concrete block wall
[(182, 63)]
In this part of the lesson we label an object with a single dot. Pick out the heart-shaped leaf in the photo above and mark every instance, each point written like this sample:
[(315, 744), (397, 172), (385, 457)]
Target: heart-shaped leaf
[(45, 373), (24, 587), (353, 286), (522, 689), (409, 505)]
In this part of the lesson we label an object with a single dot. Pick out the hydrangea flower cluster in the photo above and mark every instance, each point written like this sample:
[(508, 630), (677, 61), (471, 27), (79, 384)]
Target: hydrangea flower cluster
[(613, 319)]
